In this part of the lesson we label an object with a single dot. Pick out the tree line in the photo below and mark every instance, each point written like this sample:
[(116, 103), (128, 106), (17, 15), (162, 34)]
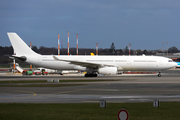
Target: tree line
[(5, 52)]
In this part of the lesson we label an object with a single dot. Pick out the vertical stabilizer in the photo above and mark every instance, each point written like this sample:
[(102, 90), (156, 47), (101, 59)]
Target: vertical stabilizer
[(19, 46)]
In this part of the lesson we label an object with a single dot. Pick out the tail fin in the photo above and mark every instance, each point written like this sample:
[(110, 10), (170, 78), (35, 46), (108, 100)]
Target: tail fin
[(19, 46)]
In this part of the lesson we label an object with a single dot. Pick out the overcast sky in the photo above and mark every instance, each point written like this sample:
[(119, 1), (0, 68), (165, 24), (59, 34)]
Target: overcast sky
[(146, 24)]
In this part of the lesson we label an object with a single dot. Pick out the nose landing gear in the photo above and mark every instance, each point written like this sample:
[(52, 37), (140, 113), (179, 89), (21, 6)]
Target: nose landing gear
[(159, 75)]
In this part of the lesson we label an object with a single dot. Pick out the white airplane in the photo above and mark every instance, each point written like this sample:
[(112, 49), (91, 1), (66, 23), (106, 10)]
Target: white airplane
[(91, 64)]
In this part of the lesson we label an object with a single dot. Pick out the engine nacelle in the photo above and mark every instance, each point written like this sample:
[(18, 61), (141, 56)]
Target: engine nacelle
[(108, 70)]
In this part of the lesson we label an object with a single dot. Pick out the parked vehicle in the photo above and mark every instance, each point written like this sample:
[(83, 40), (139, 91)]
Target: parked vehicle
[(26, 72), (44, 71)]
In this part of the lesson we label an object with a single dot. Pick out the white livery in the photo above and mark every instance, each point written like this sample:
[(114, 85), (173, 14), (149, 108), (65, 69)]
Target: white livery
[(91, 64)]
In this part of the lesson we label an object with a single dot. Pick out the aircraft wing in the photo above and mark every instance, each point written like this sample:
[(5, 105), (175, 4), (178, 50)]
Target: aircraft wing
[(84, 64)]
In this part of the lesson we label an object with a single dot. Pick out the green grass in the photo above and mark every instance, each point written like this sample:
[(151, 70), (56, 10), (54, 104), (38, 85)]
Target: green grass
[(89, 111)]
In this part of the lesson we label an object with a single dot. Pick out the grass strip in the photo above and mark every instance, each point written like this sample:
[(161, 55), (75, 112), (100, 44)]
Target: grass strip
[(88, 111)]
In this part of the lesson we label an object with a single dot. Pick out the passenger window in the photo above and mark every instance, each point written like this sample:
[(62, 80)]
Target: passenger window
[(170, 61)]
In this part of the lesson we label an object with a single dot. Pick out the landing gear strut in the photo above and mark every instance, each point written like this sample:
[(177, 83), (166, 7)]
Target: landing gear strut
[(159, 75)]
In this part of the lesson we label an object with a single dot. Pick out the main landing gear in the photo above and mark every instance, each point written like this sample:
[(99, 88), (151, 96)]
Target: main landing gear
[(159, 75), (90, 75)]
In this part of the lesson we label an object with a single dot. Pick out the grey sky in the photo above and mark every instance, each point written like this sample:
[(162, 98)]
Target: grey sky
[(146, 24)]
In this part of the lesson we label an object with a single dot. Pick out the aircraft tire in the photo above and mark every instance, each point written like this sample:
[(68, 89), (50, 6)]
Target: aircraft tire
[(94, 75), (90, 75), (86, 75), (159, 75)]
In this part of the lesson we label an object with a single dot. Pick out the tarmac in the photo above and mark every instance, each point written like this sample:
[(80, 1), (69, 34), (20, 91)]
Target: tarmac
[(124, 88)]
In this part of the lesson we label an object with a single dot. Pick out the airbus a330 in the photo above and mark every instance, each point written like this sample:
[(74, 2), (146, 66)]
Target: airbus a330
[(93, 65)]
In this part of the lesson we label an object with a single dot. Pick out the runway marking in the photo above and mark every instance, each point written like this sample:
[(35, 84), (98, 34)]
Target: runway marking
[(14, 96), (68, 91), (63, 92), (34, 94)]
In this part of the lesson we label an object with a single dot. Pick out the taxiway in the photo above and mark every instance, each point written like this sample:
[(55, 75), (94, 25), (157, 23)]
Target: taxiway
[(126, 88)]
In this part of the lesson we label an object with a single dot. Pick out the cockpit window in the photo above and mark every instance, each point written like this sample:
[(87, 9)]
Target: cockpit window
[(170, 61)]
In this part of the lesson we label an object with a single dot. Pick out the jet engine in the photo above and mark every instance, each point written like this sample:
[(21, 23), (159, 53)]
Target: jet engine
[(108, 70)]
